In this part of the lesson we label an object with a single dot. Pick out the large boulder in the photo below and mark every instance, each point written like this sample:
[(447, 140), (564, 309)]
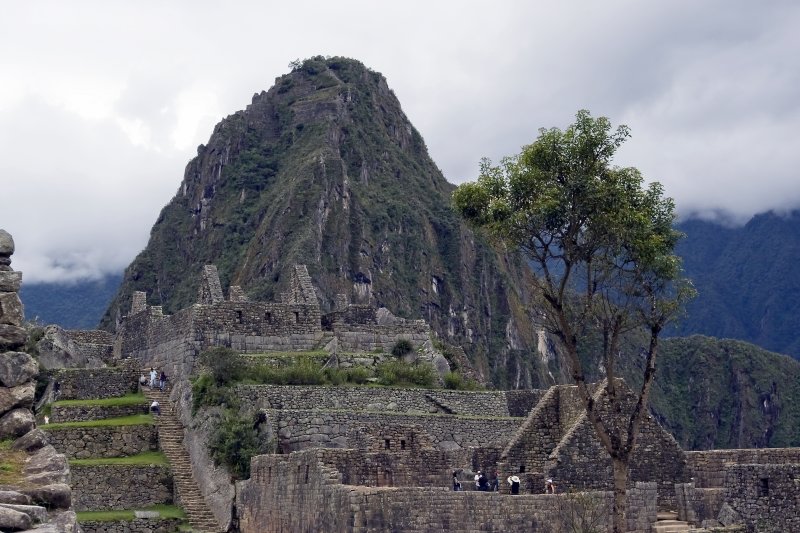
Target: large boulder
[(12, 337), (19, 396), (31, 441), (47, 467), (55, 496), (16, 423), (16, 368), (12, 496), (57, 350), (6, 249), (11, 520), (11, 309), (10, 280)]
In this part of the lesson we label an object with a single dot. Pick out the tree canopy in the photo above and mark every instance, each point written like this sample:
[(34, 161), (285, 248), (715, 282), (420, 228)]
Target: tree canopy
[(601, 244)]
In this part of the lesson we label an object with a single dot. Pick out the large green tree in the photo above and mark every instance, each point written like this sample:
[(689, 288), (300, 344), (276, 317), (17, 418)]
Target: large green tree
[(601, 243)]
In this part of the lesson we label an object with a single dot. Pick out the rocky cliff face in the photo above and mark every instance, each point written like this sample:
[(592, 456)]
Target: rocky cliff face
[(325, 169)]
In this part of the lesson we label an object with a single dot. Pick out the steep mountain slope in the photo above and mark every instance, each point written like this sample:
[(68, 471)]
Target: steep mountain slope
[(712, 393), (325, 169), (747, 281)]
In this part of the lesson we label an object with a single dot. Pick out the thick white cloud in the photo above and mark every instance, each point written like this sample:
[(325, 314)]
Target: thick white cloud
[(102, 104)]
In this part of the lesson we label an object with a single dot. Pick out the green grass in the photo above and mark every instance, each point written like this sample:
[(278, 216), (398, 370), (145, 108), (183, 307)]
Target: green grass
[(132, 420), (129, 399), (167, 511), (312, 353), (147, 458)]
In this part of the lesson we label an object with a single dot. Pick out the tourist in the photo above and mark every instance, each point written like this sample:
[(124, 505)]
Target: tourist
[(56, 390), (456, 482), (153, 377), (155, 408), (494, 484), (46, 419), (549, 487), (477, 480), (483, 483), (142, 380), (162, 381), (514, 482)]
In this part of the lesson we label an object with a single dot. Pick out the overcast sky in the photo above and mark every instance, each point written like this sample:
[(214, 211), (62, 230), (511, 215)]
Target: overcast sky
[(102, 103)]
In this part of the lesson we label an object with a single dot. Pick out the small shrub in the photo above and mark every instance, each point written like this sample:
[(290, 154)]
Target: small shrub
[(224, 364), (455, 381), (206, 392), (233, 442), (402, 347), (399, 373), (358, 375)]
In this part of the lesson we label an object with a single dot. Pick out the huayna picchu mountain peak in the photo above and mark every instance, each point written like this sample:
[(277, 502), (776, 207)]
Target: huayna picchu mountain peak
[(325, 169)]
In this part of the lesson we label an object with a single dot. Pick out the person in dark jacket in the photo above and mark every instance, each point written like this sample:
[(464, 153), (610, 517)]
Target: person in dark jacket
[(514, 482)]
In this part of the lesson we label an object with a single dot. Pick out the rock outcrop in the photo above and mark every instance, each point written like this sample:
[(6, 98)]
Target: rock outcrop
[(45, 498)]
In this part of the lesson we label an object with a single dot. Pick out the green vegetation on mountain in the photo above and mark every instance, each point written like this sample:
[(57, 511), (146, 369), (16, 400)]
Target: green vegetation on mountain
[(325, 169), (77, 305), (747, 281)]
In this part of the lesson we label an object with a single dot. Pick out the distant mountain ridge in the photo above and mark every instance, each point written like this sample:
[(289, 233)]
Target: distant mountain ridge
[(76, 305), (748, 281)]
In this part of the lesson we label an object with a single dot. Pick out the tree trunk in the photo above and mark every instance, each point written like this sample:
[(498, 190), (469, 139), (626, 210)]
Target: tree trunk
[(620, 497)]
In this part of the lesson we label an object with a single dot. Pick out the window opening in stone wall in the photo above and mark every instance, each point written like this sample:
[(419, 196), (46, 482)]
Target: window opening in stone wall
[(386, 444), (306, 480), (521, 469), (763, 487), (269, 475), (296, 317), (402, 444), (268, 317), (239, 316)]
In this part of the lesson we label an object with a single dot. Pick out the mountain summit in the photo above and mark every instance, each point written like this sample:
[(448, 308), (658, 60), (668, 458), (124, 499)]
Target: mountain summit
[(325, 169)]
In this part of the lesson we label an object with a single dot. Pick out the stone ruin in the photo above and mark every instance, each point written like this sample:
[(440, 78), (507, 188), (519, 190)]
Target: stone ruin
[(295, 323), (42, 499), (365, 459)]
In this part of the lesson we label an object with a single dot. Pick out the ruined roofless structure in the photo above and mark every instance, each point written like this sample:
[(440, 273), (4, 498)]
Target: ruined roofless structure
[(380, 459), (295, 323)]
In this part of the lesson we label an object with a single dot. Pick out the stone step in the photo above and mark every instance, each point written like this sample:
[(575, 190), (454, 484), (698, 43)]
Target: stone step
[(667, 515), (670, 526)]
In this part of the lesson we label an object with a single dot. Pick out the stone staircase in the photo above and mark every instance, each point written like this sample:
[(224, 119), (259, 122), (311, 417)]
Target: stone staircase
[(170, 439), (667, 522)]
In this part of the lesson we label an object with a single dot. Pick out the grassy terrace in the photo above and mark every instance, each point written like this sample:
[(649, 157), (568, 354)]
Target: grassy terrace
[(132, 420), (129, 399), (143, 459), (166, 511)]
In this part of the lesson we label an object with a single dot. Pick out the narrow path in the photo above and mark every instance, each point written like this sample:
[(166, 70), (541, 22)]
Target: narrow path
[(170, 440)]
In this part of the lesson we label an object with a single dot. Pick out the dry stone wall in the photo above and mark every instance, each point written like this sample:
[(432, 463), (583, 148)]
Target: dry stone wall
[(99, 487), (137, 525), (301, 429), (103, 442), (765, 497), (707, 467), (95, 383), (315, 500), (85, 413), (484, 403)]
